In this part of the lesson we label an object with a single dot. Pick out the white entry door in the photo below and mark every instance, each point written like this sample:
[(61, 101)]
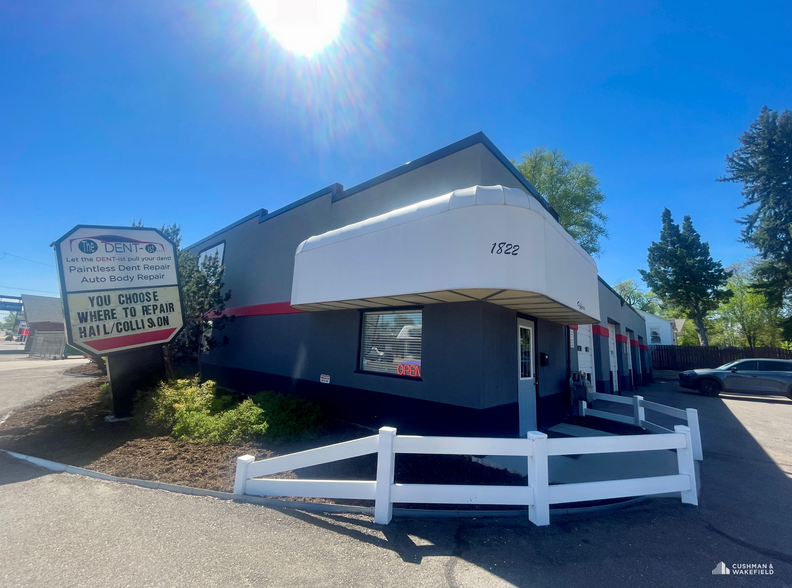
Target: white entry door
[(585, 351), (526, 390), (614, 363)]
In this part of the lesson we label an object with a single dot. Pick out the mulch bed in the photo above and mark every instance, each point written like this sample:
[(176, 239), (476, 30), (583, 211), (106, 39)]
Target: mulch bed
[(69, 427), (85, 369)]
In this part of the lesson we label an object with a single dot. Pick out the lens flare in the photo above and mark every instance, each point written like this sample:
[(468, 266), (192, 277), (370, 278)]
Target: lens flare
[(304, 27)]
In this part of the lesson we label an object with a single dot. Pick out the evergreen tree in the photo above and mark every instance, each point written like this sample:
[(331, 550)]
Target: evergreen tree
[(203, 303), (683, 274), (764, 166), (572, 190)]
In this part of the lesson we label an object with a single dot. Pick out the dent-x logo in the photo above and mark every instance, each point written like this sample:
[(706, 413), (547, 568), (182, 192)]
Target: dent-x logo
[(88, 246), (115, 244)]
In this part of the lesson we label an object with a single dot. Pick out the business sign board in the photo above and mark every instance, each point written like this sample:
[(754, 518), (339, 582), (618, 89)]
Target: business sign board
[(11, 303), (119, 288)]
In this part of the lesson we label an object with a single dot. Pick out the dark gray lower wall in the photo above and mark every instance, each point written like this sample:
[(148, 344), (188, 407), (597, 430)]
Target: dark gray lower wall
[(469, 361), (469, 355), (374, 409)]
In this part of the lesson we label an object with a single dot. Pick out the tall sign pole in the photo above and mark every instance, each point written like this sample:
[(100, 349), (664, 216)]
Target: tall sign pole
[(121, 299)]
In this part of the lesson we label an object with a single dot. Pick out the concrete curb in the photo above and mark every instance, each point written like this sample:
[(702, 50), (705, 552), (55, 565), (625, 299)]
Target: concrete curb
[(274, 502), (310, 506)]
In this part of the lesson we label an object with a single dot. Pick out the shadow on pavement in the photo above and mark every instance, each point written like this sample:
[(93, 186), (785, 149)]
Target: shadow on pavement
[(13, 470), (744, 517)]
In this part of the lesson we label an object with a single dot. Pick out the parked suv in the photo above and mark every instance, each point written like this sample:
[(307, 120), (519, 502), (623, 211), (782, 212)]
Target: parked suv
[(769, 376)]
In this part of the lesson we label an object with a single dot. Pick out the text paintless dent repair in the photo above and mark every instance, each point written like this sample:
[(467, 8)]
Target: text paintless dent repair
[(119, 288)]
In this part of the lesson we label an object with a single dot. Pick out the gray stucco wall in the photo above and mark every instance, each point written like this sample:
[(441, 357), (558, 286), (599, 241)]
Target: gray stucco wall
[(259, 257), (469, 355)]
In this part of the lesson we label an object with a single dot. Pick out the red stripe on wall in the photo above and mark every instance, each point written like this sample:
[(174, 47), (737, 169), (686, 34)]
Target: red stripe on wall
[(634, 343), (600, 330), (262, 309), (621, 338), (127, 340), (644, 348), (573, 327)]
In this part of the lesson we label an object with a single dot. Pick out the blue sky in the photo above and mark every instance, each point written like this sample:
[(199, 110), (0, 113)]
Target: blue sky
[(185, 111)]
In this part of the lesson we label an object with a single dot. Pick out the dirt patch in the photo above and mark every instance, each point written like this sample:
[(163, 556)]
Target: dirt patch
[(85, 369), (69, 427)]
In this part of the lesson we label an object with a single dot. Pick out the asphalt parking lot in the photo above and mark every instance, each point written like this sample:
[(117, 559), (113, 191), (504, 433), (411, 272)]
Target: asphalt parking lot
[(25, 379), (66, 530)]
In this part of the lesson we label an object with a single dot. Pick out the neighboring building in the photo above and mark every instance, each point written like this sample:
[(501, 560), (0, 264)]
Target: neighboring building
[(44, 318), (436, 298), (662, 331)]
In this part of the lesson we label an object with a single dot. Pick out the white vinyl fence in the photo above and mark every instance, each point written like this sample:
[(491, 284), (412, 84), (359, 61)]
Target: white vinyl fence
[(638, 416), (538, 494)]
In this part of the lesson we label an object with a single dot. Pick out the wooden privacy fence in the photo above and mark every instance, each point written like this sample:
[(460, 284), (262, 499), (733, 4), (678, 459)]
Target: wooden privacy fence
[(688, 357), (538, 494)]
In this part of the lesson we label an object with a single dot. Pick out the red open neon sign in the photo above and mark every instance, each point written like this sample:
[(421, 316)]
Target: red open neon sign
[(409, 368)]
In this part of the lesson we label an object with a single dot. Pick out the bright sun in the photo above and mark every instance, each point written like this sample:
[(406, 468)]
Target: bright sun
[(301, 26)]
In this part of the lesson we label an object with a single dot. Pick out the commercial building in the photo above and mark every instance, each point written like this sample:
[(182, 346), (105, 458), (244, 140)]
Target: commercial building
[(437, 298), (44, 318)]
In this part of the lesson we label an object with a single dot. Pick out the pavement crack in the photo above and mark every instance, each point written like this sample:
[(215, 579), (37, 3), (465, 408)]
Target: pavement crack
[(779, 555), (460, 546)]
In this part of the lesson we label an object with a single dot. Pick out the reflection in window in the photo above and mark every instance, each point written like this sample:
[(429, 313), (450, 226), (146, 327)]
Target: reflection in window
[(391, 342), (217, 250), (525, 353)]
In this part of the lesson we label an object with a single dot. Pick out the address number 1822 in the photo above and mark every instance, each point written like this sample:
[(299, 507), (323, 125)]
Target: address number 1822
[(504, 249)]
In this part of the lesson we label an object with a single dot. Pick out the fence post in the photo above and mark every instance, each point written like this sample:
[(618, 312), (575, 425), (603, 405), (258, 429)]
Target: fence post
[(539, 511), (638, 410), (687, 466), (695, 433), (383, 507), (240, 479)]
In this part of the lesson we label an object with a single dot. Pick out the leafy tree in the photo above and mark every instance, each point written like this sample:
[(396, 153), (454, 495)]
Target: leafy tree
[(573, 190), (203, 303), (688, 336), (682, 272), (7, 322), (747, 318), (637, 298), (764, 166)]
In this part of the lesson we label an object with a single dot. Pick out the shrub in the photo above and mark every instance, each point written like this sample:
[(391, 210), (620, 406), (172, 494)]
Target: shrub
[(243, 422), (290, 417), (105, 396), (208, 413), (202, 412)]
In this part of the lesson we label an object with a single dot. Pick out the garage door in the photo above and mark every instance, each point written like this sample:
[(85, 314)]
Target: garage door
[(585, 351), (630, 337), (613, 361)]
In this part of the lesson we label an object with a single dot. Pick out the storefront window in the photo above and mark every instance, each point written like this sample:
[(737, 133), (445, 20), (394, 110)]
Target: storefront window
[(391, 342)]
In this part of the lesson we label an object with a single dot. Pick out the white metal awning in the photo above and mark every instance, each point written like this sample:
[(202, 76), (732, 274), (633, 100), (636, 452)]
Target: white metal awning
[(481, 243)]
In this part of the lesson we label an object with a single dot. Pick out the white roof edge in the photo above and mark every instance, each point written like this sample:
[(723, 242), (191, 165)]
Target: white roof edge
[(463, 197)]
